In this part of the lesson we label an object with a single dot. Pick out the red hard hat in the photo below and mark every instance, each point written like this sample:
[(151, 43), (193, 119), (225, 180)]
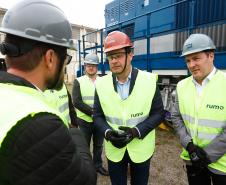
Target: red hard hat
[(116, 40)]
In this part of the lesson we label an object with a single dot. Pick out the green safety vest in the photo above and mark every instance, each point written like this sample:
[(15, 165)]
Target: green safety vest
[(87, 89), (18, 102), (128, 112), (58, 99), (205, 117)]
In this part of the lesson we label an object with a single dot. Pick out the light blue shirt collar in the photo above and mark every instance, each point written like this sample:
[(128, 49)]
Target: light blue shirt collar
[(123, 88)]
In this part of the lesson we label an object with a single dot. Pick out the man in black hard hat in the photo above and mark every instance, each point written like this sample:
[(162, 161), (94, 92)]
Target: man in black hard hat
[(36, 145)]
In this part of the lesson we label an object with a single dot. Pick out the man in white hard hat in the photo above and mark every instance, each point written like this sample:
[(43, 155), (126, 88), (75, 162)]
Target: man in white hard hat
[(83, 99), (199, 116)]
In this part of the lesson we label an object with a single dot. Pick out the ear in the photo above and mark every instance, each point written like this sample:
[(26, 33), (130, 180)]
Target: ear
[(212, 55), (130, 55), (49, 58)]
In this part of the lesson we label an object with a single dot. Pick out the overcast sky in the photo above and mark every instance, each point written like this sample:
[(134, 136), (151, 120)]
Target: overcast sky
[(83, 12)]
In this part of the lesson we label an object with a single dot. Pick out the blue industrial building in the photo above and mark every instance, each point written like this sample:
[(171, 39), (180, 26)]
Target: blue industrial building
[(159, 28)]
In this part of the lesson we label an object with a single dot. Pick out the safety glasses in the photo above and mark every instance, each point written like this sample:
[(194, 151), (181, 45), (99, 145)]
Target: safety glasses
[(63, 56), (116, 56), (68, 59)]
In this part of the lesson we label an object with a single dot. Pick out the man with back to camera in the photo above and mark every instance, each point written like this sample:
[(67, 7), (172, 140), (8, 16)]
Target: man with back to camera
[(127, 109), (199, 116), (36, 146), (83, 99)]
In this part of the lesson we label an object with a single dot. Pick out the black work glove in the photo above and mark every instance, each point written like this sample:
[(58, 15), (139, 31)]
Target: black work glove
[(198, 156), (130, 132), (118, 139)]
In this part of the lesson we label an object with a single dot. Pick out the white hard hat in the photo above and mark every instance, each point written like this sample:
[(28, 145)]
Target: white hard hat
[(196, 43), (91, 59)]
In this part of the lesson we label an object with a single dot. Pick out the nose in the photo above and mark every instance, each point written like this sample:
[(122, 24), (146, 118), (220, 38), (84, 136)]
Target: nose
[(191, 64), (113, 59)]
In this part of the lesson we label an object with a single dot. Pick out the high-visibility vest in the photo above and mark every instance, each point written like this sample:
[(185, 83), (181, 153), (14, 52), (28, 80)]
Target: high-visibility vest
[(18, 102), (204, 117), (87, 89), (58, 99), (128, 112)]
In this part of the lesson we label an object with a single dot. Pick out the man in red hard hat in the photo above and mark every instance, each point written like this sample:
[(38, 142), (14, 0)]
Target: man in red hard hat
[(127, 109)]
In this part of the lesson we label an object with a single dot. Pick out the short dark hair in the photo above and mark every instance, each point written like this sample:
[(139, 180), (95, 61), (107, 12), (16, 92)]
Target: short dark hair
[(209, 51), (33, 54), (129, 49)]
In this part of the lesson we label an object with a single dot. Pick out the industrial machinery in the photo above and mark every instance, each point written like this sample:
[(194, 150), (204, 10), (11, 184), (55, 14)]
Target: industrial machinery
[(158, 29)]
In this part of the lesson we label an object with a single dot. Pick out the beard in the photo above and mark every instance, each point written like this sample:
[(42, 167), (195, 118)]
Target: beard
[(59, 84), (56, 82)]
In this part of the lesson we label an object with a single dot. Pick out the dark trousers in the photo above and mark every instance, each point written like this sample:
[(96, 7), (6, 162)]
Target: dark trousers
[(139, 172), (89, 132), (204, 177)]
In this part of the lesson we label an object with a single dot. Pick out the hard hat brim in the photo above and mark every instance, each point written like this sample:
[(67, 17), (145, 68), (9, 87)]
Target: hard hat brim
[(196, 51)]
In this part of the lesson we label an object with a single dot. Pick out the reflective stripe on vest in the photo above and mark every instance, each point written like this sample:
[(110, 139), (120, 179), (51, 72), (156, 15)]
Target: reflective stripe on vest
[(128, 112), (59, 99), (87, 89), (18, 102), (130, 122), (204, 117)]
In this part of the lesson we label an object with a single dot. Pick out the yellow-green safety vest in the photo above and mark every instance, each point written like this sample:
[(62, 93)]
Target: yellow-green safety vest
[(18, 102), (128, 112), (87, 89), (204, 117), (58, 99)]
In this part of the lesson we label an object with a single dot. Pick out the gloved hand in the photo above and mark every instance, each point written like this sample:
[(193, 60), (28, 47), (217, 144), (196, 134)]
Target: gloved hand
[(118, 139), (198, 156), (130, 132)]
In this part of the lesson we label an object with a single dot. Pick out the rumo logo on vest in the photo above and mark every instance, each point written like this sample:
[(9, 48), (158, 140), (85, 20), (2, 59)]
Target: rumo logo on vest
[(220, 107), (136, 114)]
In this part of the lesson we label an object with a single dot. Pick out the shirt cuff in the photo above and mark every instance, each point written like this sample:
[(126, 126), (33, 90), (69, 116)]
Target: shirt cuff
[(106, 132), (138, 132)]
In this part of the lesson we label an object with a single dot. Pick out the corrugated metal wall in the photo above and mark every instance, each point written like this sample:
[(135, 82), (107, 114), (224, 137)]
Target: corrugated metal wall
[(182, 15), (179, 40), (192, 16), (207, 11), (217, 33)]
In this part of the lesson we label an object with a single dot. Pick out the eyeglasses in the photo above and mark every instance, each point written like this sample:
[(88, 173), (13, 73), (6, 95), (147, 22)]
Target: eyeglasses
[(68, 59), (116, 56), (63, 56)]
